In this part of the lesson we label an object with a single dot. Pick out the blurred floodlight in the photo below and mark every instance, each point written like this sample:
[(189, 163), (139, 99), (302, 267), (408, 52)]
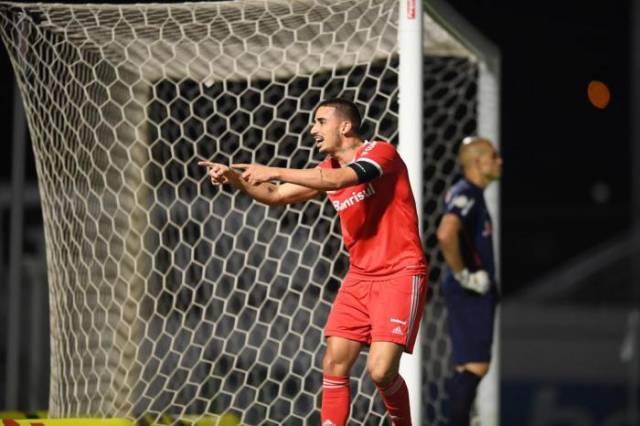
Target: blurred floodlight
[(599, 94)]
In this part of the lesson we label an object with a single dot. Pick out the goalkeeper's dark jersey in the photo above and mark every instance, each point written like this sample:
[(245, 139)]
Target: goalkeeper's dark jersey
[(466, 201)]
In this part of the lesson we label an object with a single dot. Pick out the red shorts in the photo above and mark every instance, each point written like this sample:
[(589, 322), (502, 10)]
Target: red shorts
[(381, 310)]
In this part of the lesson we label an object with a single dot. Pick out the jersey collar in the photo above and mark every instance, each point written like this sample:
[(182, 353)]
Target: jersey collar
[(473, 185)]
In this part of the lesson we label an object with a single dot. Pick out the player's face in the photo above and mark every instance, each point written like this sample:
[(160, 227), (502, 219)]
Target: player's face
[(490, 163), (326, 129)]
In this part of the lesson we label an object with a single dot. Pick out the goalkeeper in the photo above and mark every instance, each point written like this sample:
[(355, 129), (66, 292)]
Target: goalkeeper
[(381, 300), (469, 286)]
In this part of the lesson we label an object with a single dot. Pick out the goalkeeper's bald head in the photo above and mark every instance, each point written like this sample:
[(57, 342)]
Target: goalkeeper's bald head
[(479, 160), (471, 148)]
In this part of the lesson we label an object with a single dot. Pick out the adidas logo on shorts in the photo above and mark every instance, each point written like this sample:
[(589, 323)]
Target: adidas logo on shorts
[(328, 423), (397, 330)]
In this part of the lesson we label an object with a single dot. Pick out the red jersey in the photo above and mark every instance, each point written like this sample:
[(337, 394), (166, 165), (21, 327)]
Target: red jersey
[(379, 219)]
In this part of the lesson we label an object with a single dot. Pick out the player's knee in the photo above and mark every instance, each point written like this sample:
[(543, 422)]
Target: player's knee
[(381, 374), (478, 368), (335, 366)]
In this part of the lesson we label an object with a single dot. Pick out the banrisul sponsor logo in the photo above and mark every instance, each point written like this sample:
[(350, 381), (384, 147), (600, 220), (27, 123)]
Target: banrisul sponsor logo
[(355, 198)]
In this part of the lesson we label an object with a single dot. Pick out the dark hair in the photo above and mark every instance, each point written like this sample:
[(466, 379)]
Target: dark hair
[(347, 108)]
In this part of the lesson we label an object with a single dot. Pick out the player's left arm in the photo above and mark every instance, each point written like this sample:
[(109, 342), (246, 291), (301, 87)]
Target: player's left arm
[(377, 159), (321, 179)]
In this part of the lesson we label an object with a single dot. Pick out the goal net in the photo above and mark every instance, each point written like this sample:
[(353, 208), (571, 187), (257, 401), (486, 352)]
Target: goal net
[(172, 297)]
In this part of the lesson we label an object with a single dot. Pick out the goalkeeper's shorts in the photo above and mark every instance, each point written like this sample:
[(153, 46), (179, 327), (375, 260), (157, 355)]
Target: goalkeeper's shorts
[(471, 317), (380, 310)]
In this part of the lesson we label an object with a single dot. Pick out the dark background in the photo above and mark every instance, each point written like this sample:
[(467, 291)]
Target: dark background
[(558, 149)]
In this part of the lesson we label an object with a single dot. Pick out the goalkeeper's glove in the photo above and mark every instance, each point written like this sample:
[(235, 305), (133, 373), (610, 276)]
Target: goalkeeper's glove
[(475, 281)]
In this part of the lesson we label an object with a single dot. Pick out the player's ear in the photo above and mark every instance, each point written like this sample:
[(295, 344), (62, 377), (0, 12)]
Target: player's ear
[(345, 127)]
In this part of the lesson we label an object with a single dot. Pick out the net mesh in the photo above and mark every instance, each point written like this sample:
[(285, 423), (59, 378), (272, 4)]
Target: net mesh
[(169, 296)]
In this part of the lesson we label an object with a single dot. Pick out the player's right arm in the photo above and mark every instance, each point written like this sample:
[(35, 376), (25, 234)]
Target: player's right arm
[(449, 231), (448, 239), (267, 192)]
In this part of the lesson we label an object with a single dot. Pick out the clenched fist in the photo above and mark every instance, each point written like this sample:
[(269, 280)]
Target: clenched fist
[(475, 281)]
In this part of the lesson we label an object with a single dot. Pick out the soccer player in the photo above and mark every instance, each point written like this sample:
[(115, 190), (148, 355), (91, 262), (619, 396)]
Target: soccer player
[(381, 300), (469, 287)]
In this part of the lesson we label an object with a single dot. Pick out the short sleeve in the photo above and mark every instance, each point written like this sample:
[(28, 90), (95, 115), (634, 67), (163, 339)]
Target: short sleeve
[(459, 203), (382, 155)]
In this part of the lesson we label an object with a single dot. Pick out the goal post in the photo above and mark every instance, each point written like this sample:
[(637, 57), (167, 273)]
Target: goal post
[(171, 297), (487, 58), (410, 110)]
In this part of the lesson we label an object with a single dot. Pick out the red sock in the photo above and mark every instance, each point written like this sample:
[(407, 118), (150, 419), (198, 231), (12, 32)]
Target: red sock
[(335, 400), (396, 398)]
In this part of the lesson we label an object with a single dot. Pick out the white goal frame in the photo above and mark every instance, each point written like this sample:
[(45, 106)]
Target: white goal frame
[(489, 60), (422, 27)]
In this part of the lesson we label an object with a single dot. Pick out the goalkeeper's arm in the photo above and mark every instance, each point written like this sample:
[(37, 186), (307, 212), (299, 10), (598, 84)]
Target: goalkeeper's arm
[(448, 232)]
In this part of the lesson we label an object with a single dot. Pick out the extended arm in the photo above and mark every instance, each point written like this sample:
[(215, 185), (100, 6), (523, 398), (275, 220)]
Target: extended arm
[(318, 179), (266, 192)]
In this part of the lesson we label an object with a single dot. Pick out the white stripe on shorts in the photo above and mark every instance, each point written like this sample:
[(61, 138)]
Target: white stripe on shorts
[(415, 298)]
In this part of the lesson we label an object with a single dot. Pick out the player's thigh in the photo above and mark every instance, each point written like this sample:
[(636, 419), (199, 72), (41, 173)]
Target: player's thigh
[(471, 321), (396, 309), (349, 316)]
